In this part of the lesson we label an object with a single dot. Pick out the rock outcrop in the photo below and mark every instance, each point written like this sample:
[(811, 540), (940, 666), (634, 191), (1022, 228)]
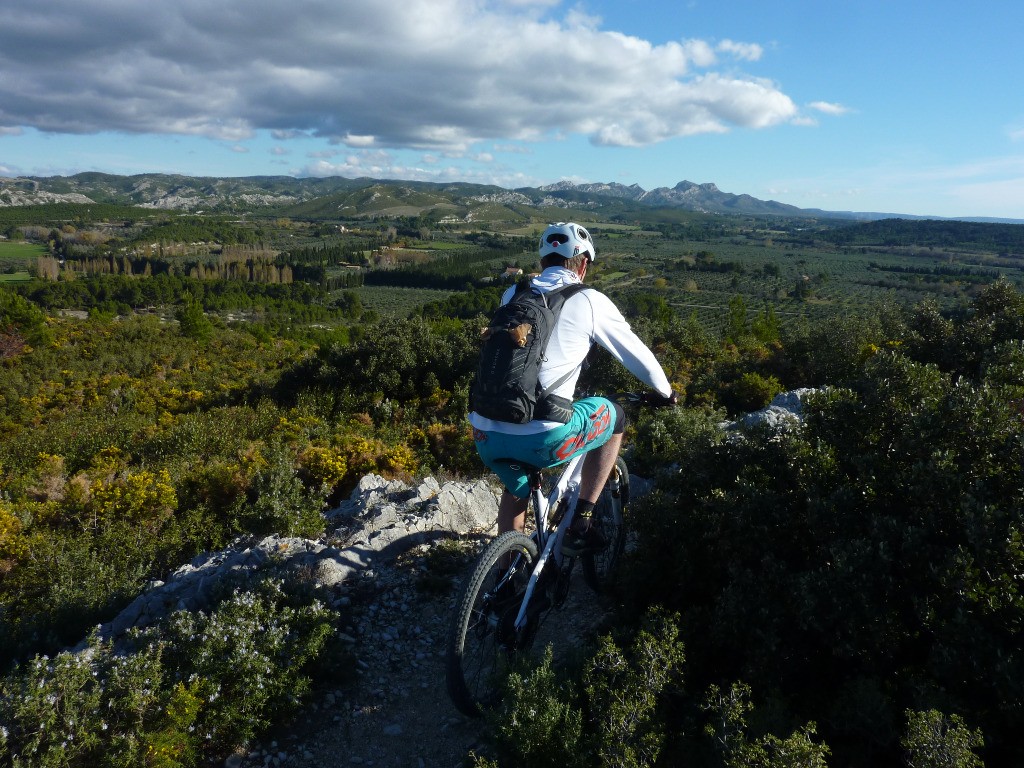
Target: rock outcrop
[(380, 520), (785, 411)]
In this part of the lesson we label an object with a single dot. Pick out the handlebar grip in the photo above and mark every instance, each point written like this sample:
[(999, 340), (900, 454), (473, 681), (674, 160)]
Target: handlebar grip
[(658, 400)]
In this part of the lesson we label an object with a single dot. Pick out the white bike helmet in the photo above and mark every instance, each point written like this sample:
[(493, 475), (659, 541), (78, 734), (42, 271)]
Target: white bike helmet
[(566, 239)]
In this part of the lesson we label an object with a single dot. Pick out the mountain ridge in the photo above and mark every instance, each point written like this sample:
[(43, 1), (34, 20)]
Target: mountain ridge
[(344, 196)]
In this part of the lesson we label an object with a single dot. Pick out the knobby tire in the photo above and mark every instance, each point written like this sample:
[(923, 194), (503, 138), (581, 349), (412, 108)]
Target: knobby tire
[(481, 642)]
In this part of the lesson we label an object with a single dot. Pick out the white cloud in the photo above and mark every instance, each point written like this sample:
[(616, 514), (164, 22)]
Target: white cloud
[(240, 149), (279, 151), (438, 75), (829, 108), (1015, 134), (532, 3), (699, 52), (352, 140), (381, 164), (745, 51), (10, 131)]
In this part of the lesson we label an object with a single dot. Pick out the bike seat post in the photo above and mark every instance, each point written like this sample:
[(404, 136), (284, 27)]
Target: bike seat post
[(534, 478)]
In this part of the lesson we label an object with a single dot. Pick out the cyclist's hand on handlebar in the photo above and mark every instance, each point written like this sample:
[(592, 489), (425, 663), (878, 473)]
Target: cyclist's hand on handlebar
[(658, 400)]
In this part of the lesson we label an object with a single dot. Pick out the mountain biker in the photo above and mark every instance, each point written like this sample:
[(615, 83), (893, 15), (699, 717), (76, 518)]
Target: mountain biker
[(596, 423)]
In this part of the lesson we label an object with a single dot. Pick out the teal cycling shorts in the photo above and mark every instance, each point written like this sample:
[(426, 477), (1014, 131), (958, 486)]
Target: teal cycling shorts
[(593, 422)]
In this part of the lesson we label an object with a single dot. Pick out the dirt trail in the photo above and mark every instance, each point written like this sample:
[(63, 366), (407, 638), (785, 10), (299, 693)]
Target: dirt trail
[(397, 713)]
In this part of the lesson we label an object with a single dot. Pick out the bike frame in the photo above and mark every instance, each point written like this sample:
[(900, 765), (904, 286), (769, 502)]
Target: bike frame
[(566, 487)]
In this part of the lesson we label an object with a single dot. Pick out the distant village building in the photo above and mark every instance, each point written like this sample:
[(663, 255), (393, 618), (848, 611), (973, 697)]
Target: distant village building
[(513, 273)]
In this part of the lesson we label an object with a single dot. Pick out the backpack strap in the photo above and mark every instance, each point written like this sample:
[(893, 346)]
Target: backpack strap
[(563, 295)]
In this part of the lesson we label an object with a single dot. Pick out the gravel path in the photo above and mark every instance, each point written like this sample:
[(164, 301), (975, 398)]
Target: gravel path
[(397, 712)]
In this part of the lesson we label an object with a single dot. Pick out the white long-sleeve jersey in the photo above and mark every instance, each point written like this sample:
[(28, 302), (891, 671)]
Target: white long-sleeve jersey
[(587, 318)]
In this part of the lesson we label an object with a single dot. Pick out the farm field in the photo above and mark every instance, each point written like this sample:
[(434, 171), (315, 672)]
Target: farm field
[(9, 250), (395, 301), (15, 258)]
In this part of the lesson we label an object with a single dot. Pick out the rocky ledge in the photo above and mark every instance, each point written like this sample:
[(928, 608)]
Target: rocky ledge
[(380, 520)]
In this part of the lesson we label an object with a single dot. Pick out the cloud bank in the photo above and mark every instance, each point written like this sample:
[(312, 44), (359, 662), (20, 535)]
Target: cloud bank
[(368, 74)]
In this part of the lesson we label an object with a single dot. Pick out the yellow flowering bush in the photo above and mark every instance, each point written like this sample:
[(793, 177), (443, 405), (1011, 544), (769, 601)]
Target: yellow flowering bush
[(145, 497), (176, 400), (12, 543), (400, 459), (325, 465), (365, 455), (107, 462), (287, 429), (451, 444), (362, 454)]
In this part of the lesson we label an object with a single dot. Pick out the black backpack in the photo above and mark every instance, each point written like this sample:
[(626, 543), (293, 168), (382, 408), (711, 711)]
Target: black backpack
[(506, 386)]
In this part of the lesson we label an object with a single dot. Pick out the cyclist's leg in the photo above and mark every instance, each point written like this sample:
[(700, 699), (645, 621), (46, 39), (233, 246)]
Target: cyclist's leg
[(596, 429), (597, 466), (511, 512), (495, 449)]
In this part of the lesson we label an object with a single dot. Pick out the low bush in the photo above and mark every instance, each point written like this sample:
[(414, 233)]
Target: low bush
[(611, 715), (862, 565), (196, 686)]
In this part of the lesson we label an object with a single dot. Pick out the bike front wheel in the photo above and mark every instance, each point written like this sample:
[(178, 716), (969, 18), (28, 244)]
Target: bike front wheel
[(609, 517), (482, 640)]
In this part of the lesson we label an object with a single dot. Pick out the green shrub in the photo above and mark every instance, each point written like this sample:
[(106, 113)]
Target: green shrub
[(729, 733), (17, 314), (83, 709), (281, 503), (875, 549), (254, 652), (625, 693), (667, 436), (541, 723), (934, 741), (751, 392), (72, 581), (612, 715), (198, 685)]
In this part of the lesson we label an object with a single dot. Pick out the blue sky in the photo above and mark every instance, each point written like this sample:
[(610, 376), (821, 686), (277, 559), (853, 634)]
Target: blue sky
[(899, 107)]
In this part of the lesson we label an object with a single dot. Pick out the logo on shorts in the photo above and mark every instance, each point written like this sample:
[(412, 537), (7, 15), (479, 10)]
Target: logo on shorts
[(479, 435), (599, 423)]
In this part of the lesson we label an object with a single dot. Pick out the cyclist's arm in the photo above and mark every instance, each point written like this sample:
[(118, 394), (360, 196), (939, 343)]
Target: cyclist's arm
[(613, 333)]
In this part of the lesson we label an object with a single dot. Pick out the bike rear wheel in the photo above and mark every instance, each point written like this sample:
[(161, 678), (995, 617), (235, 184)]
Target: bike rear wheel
[(608, 516), (482, 640)]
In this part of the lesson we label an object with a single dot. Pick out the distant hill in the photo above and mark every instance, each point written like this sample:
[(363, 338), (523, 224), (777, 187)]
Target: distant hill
[(337, 196)]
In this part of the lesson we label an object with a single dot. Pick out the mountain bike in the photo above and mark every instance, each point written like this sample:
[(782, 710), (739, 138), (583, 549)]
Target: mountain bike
[(520, 578)]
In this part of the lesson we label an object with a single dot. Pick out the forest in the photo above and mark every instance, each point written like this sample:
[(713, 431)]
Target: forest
[(844, 593)]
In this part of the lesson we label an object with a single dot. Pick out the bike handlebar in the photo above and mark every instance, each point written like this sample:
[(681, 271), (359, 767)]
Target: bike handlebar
[(650, 399)]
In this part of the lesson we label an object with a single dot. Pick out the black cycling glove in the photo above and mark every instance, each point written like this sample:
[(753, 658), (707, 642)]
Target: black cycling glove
[(658, 400)]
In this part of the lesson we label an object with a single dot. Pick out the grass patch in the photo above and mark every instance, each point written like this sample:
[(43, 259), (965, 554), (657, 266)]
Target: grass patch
[(13, 250), (16, 277)]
